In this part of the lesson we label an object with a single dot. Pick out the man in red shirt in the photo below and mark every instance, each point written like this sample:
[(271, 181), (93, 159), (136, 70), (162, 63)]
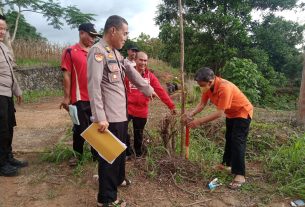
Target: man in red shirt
[(74, 67), (138, 103), (232, 103)]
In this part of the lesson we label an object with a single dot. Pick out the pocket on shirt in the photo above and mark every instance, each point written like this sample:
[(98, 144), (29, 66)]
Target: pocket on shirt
[(114, 71), (114, 76)]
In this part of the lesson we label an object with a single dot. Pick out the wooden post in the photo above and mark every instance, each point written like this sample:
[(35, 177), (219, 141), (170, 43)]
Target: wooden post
[(301, 103), (182, 75)]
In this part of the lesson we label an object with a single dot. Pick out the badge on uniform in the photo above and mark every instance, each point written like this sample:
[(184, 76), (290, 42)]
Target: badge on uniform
[(98, 57), (110, 56), (114, 76), (108, 49)]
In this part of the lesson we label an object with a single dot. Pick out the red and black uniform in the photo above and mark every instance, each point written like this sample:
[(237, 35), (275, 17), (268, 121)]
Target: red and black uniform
[(74, 60), (138, 108)]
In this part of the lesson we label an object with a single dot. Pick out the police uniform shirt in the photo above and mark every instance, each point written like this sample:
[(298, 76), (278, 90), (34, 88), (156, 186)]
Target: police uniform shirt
[(8, 82), (106, 87)]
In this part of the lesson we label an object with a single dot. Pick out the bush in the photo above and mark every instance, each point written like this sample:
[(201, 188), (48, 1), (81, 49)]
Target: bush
[(244, 73)]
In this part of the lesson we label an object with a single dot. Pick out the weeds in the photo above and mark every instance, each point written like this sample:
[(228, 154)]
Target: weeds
[(36, 95), (287, 164), (61, 152)]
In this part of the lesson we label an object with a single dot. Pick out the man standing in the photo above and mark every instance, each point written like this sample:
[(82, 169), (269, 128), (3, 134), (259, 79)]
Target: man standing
[(230, 101), (131, 52), (74, 67), (109, 101), (8, 87), (138, 103)]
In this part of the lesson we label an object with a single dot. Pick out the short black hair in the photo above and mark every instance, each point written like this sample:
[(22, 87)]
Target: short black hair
[(204, 74), (114, 21), (2, 17)]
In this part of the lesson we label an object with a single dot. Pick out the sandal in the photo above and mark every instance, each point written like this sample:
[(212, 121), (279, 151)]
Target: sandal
[(235, 184), (117, 203), (126, 182), (222, 167)]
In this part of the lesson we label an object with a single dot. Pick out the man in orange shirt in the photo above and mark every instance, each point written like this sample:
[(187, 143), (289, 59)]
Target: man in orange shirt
[(232, 103)]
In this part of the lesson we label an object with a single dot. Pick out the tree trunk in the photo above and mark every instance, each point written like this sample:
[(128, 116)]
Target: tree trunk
[(16, 24), (301, 104), (182, 132)]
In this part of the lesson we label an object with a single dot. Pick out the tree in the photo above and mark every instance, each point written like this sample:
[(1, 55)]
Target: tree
[(54, 13), (244, 74), (218, 31), (25, 31), (215, 31), (152, 46), (301, 103), (279, 39)]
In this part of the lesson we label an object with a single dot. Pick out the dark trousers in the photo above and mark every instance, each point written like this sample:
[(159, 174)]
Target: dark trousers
[(112, 175), (138, 128), (7, 123), (84, 114), (235, 148)]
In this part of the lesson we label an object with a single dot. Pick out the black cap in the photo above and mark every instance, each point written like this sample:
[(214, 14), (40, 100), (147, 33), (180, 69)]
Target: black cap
[(133, 47), (89, 28)]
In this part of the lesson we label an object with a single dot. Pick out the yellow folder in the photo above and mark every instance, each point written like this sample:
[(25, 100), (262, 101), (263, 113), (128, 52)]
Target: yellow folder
[(105, 143)]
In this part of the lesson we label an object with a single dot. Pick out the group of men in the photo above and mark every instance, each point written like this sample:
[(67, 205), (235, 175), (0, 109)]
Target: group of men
[(111, 91)]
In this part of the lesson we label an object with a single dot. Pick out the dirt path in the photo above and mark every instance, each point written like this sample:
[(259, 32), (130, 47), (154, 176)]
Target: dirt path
[(41, 125)]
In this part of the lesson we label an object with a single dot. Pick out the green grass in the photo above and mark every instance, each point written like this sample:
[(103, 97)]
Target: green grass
[(26, 63), (36, 95), (59, 153), (62, 152), (286, 166)]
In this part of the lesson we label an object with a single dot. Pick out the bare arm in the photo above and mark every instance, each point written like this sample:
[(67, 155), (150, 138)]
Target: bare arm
[(200, 106), (197, 122), (67, 90)]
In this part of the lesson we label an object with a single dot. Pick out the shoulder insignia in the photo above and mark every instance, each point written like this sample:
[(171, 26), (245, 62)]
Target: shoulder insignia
[(107, 49), (98, 57)]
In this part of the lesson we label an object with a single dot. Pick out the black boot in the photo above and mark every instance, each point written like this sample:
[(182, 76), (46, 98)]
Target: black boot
[(17, 163), (8, 170)]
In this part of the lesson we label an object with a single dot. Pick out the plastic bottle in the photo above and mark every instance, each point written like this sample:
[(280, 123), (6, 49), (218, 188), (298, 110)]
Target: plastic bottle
[(213, 184)]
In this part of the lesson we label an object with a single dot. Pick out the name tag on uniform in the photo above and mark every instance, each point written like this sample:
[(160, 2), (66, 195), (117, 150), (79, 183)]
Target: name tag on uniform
[(114, 76)]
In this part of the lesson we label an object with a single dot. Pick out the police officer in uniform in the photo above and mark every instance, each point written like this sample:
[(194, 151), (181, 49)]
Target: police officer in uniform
[(8, 87), (108, 100)]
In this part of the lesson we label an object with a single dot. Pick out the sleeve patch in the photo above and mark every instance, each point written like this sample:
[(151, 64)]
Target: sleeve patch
[(98, 57)]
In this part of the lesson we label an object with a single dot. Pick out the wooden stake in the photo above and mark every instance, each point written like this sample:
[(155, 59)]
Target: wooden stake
[(182, 74)]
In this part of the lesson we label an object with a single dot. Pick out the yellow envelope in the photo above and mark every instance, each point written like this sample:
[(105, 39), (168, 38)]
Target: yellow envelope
[(105, 143)]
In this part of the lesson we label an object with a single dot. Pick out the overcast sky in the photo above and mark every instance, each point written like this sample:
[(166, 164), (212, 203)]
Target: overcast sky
[(140, 15)]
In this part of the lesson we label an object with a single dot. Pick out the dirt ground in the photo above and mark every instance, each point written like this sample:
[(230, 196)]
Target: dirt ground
[(41, 125)]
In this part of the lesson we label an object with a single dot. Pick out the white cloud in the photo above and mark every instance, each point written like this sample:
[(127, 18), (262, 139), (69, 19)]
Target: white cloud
[(139, 14)]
